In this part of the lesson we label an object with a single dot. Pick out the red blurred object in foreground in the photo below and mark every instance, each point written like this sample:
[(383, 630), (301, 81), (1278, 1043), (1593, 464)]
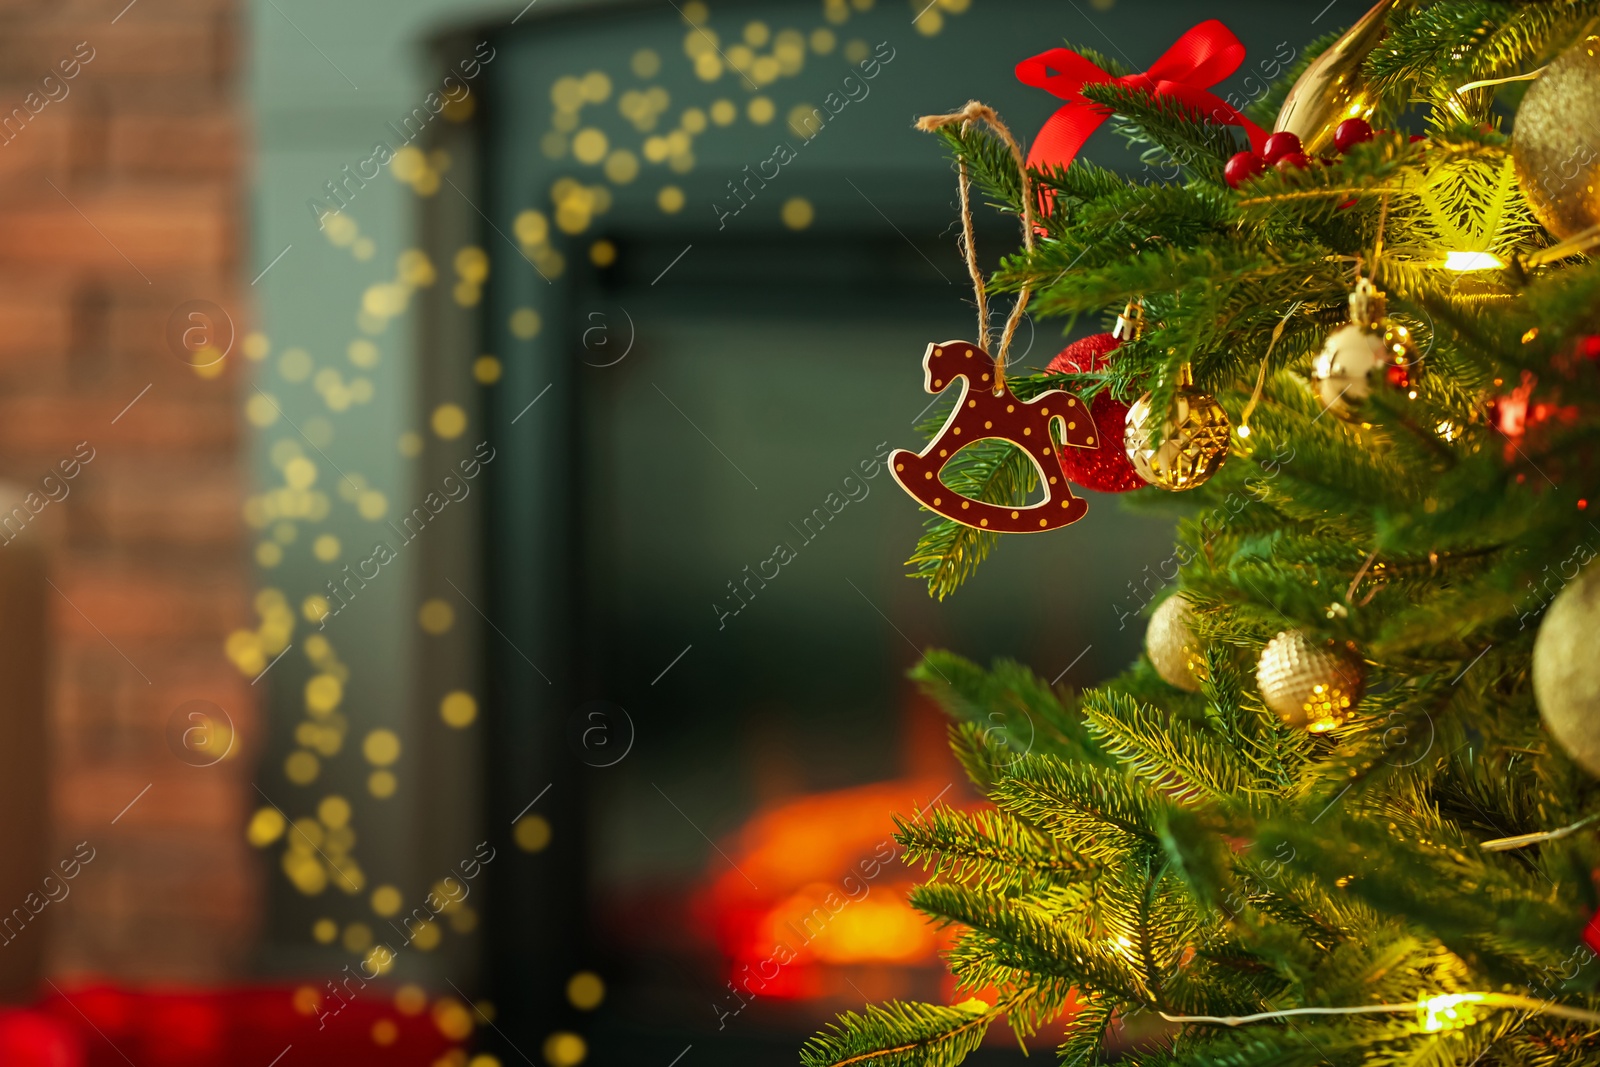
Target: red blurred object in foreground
[(1517, 414), (33, 1039), (104, 1026)]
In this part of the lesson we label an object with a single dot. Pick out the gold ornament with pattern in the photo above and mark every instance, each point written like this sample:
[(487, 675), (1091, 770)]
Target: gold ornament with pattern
[(1171, 645), (1557, 169), (1372, 352), (1311, 685), (1186, 448)]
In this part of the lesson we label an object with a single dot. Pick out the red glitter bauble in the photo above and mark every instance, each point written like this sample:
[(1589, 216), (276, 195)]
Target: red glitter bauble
[(1105, 469)]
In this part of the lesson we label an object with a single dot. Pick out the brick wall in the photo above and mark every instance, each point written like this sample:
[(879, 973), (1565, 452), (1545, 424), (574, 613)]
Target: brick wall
[(118, 202)]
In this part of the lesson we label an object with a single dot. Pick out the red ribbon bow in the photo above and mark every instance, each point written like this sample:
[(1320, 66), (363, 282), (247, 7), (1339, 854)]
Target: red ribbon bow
[(1200, 59)]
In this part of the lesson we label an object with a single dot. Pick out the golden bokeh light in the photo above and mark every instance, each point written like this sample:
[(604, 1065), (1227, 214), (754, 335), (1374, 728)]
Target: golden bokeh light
[(301, 768), (525, 324), (314, 607), (410, 999), (379, 959), (386, 901), (472, 263), (324, 692), (449, 421), (452, 1019), (622, 166), (426, 936), (266, 826), (262, 410), (325, 548), (798, 213), (589, 146), (333, 811), (436, 616), (565, 1049), (357, 937), (381, 747), (645, 63), (531, 833), (585, 990), (486, 370), (458, 709)]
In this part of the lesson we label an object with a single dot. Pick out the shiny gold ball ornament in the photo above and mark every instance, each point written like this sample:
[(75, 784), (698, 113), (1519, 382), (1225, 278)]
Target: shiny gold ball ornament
[(1308, 684), (1333, 88), (1170, 642), (1371, 352), (1183, 450), (1566, 672), (1557, 168)]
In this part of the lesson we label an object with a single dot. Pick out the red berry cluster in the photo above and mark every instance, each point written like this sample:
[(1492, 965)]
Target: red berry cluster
[(1284, 152)]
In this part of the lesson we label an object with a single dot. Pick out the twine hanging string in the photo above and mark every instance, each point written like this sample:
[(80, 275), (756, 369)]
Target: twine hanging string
[(975, 112), (1377, 244), (1261, 375)]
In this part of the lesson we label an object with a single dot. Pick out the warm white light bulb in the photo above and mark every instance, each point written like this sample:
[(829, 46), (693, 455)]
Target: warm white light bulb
[(1470, 261)]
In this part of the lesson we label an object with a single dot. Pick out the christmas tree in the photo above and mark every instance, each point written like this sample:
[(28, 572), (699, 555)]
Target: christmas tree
[(1345, 810)]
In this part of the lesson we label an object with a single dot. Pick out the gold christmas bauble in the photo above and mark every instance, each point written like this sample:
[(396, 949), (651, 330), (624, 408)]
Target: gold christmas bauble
[(1193, 438), (1308, 684), (1371, 352), (1566, 672), (1333, 88), (1170, 642), (1558, 169)]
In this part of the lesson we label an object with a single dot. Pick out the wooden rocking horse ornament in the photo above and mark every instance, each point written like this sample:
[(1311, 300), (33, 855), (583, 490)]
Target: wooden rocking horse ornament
[(986, 409), (982, 414)]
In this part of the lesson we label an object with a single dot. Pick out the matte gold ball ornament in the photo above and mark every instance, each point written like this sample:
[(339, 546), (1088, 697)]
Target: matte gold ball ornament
[(1170, 642), (1558, 169), (1183, 450), (1372, 352), (1566, 672), (1308, 684)]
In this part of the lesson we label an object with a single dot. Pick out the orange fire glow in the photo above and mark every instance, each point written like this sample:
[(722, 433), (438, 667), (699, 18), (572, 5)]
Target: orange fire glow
[(832, 891)]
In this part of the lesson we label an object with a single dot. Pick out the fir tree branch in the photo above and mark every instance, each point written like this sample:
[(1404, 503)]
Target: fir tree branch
[(900, 1034), (947, 553)]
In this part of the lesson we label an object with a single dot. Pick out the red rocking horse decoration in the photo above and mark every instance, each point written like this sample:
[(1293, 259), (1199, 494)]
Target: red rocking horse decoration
[(986, 408), (982, 414)]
